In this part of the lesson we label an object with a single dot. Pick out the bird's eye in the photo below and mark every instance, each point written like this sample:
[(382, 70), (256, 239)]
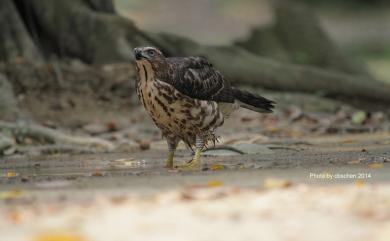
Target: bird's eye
[(151, 53)]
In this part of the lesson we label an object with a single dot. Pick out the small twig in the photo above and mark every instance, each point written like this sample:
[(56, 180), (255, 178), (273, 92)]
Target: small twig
[(283, 148), (223, 147)]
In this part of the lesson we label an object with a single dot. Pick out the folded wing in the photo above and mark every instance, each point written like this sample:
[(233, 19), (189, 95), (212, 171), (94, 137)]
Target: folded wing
[(196, 78)]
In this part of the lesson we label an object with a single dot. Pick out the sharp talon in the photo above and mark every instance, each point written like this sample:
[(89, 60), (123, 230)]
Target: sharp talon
[(193, 165), (190, 166)]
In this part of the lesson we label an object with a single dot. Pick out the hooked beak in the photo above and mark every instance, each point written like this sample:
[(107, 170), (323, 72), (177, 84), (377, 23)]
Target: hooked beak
[(138, 54)]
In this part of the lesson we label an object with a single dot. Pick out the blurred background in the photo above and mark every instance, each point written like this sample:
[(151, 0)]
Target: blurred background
[(358, 27), (69, 64), (78, 152)]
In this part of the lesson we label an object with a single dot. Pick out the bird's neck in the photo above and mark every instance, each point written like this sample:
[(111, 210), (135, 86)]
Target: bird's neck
[(145, 71), (159, 69)]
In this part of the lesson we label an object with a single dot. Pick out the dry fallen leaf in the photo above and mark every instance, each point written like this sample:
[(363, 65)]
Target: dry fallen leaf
[(12, 174), (111, 126), (359, 183), (217, 167), (144, 145), (214, 183), (354, 161), (277, 183), (348, 141), (57, 237), (295, 133), (11, 194), (273, 129), (97, 174), (14, 216), (119, 200), (247, 119), (375, 165)]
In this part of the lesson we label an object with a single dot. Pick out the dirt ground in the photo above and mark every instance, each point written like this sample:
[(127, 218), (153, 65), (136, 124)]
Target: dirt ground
[(329, 187), (313, 170), (316, 169)]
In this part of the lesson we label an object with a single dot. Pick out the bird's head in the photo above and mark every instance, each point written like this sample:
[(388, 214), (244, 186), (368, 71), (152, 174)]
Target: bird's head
[(152, 59), (150, 54)]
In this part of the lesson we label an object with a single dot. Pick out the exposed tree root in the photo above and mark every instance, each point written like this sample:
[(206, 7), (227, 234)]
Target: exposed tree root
[(5, 143), (91, 30), (244, 67), (47, 135), (53, 149)]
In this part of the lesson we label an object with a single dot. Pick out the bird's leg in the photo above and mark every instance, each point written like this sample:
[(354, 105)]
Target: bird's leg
[(195, 163), (171, 152)]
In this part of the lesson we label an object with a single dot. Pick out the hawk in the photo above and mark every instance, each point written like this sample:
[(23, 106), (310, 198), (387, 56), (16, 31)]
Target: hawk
[(188, 99)]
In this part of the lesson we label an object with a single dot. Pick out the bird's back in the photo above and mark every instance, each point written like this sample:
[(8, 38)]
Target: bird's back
[(197, 78)]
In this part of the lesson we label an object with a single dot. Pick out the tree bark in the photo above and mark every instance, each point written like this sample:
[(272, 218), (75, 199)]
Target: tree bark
[(15, 42), (8, 104), (91, 30), (243, 67), (297, 37), (86, 29)]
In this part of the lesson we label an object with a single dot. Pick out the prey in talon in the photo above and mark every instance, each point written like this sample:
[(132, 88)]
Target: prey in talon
[(188, 99)]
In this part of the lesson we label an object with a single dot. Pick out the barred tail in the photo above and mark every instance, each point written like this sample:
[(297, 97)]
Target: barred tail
[(253, 101)]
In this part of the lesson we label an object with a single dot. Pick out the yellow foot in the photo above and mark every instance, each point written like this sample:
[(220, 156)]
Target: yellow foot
[(169, 161), (193, 165), (168, 164)]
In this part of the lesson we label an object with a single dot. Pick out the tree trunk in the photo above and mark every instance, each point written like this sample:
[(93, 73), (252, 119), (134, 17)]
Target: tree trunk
[(8, 104), (243, 67), (15, 42), (86, 29), (297, 37), (91, 30)]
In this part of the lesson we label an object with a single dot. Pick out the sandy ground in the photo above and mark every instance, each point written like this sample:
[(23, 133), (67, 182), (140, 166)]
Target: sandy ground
[(322, 188)]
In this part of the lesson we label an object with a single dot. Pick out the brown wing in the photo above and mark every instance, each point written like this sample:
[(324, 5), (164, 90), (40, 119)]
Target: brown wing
[(196, 78)]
